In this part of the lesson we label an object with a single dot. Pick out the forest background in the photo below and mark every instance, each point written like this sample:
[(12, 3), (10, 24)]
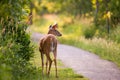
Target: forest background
[(93, 25)]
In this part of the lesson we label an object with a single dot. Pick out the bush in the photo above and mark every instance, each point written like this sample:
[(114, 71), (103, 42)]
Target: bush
[(89, 32), (15, 48), (15, 45), (114, 35)]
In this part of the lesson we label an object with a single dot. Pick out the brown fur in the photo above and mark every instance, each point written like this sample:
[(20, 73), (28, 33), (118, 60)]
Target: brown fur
[(48, 44)]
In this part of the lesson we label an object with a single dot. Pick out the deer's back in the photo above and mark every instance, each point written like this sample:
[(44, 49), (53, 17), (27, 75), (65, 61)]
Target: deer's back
[(48, 43)]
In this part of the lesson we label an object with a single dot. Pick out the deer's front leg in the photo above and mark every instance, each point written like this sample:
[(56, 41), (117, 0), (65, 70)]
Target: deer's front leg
[(55, 61), (50, 62)]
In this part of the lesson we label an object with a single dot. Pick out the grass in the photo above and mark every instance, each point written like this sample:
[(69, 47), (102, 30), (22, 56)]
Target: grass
[(64, 73), (73, 35), (108, 50)]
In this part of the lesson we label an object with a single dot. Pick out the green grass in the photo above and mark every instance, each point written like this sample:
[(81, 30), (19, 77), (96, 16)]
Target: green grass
[(64, 73), (72, 35), (106, 49)]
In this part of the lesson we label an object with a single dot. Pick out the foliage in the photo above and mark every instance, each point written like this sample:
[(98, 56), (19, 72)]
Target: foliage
[(73, 32), (100, 9), (13, 8), (115, 35), (15, 50), (78, 7), (15, 44), (105, 13), (107, 9), (89, 32)]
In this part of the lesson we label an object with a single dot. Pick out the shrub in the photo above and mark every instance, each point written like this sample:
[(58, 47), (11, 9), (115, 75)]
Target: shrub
[(16, 50), (89, 32), (114, 35)]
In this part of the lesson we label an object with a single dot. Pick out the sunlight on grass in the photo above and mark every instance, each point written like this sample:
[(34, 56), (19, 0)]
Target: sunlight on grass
[(63, 72), (72, 35), (106, 49)]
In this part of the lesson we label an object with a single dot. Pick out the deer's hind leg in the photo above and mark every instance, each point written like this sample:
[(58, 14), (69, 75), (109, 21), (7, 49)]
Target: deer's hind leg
[(50, 62), (42, 59)]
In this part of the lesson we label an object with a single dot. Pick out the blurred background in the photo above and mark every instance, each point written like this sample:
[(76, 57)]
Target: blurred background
[(88, 18), (93, 25)]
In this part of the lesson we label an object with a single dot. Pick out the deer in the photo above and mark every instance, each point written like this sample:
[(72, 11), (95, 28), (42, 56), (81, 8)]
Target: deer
[(47, 46)]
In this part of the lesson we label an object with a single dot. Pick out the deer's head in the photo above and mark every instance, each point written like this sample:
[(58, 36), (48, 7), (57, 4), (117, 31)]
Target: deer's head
[(53, 30)]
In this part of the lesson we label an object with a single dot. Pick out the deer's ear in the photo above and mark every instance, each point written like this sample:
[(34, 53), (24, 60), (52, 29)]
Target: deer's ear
[(55, 26), (50, 27)]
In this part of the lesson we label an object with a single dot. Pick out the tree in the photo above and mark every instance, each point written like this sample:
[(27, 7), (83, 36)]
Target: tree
[(105, 9)]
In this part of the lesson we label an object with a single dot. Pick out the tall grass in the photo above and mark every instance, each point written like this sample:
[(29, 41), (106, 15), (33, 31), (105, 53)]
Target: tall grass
[(106, 49), (114, 34), (73, 32)]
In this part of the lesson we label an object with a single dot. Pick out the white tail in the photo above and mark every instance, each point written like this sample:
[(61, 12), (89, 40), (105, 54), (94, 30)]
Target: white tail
[(48, 44)]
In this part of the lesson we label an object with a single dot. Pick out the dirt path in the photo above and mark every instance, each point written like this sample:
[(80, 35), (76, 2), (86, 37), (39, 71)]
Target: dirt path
[(85, 63)]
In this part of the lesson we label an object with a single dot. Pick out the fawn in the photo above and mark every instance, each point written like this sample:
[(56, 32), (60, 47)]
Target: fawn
[(48, 44)]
